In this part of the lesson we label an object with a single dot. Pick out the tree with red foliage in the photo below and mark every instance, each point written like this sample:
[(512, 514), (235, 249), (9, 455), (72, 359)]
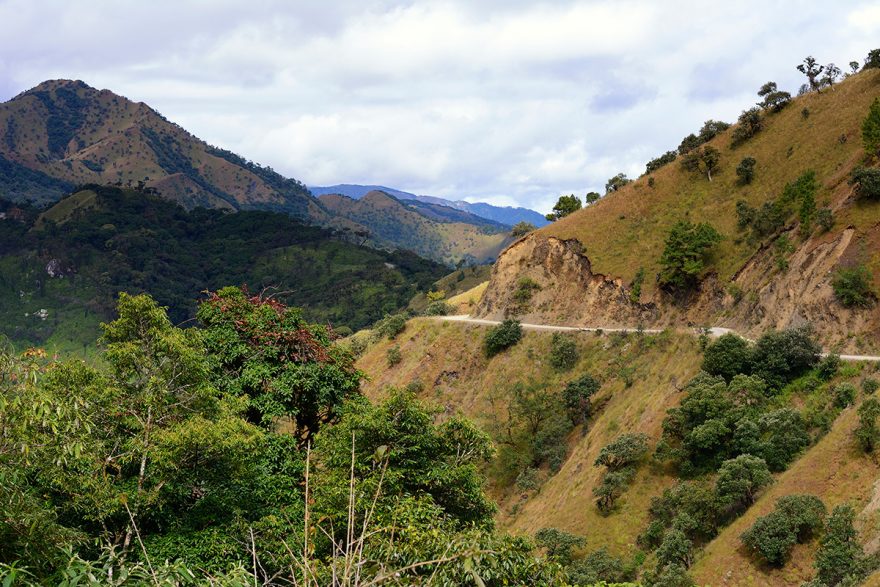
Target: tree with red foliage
[(288, 370)]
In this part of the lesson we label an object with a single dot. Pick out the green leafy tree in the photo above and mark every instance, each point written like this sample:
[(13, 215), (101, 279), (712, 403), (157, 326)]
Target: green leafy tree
[(616, 182), (832, 72), (611, 487), (727, 356), (597, 567), (873, 59), (795, 519), (871, 129), (576, 396), (840, 555), (563, 352), (676, 548), (658, 162), (740, 480), (748, 125), (780, 356), (564, 206), (559, 544), (284, 367), (624, 451), (866, 182), (592, 197), (685, 252), (773, 99), (745, 171)]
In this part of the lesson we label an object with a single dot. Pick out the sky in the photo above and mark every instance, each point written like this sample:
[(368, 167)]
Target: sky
[(511, 102)]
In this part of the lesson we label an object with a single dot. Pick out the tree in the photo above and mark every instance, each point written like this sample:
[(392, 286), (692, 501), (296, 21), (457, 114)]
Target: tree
[(576, 396), (559, 544), (502, 337), (795, 519), (626, 450), (285, 367), (740, 480), (711, 129), (658, 162), (596, 567), (748, 125), (727, 356), (840, 555), (616, 182), (866, 182), (563, 352), (688, 144), (592, 197), (522, 228), (684, 254), (873, 59), (832, 72), (867, 434), (774, 99), (710, 157), (780, 356), (611, 487), (564, 206), (745, 171), (811, 68), (853, 287), (676, 548), (871, 129), (853, 67)]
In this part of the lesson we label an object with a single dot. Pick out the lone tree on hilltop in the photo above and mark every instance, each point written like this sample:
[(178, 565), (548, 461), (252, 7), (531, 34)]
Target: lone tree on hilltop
[(811, 68), (774, 99), (616, 182)]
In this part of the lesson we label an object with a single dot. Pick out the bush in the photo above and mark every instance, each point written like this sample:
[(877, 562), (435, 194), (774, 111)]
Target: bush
[(521, 228), (871, 129), (866, 182), (394, 356), (853, 287), (825, 218), (844, 394), (563, 352), (390, 326), (522, 295), (745, 214), (502, 337), (684, 254), (745, 171), (795, 519), (626, 450), (867, 433), (728, 356), (576, 397), (559, 544), (780, 356), (658, 162), (675, 549), (597, 567), (439, 308), (612, 486), (828, 366), (870, 385)]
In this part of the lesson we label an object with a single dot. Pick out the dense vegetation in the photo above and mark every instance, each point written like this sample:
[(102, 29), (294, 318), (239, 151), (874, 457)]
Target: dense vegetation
[(243, 450), (73, 259)]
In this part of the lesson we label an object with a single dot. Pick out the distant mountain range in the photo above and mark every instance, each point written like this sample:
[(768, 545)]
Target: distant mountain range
[(507, 215), (64, 133)]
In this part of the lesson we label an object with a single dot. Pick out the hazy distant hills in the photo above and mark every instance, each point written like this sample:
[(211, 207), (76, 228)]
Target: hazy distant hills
[(506, 215)]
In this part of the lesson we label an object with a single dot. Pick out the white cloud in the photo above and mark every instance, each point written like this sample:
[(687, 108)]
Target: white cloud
[(510, 101)]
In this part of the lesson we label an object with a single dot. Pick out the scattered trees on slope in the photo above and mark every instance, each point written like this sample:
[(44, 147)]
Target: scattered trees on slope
[(564, 206)]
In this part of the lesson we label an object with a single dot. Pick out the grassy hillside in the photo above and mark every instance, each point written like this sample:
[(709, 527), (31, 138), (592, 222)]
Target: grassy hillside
[(60, 270), (392, 222), (626, 229), (456, 284)]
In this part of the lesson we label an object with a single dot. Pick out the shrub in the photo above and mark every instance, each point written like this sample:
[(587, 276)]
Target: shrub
[(780, 356), (685, 252), (774, 98), (870, 385), (658, 162), (783, 435), (675, 549), (576, 397), (394, 357), (502, 337), (592, 197), (853, 287), (867, 183), (612, 486), (769, 218), (844, 394), (728, 356), (390, 326), (748, 125), (525, 288), (873, 59), (871, 129), (745, 214), (439, 308), (840, 555), (795, 519), (740, 480), (867, 434), (828, 366), (825, 218), (745, 171), (616, 182), (521, 228), (563, 352), (635, 293), (626, 450)]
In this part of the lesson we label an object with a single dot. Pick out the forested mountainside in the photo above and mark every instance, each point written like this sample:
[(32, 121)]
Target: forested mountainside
[(61, 268)]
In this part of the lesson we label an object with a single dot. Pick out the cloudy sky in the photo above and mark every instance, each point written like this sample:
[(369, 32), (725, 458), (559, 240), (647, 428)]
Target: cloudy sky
[(508, 101)]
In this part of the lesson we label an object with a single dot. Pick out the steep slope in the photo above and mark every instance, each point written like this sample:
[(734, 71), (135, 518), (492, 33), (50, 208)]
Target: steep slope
[(75, 134), (753, 283), (61, 269), (507, 215), (391, 222)]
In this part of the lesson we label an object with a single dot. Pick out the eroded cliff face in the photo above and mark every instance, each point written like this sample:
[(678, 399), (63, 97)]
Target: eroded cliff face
[(561, 286), (760, 297)]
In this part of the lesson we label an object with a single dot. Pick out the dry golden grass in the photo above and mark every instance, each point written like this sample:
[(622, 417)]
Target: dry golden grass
[(627, 229)]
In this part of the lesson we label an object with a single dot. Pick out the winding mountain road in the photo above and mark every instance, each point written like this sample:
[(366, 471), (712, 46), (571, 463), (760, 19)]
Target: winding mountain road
[(714, 331)]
